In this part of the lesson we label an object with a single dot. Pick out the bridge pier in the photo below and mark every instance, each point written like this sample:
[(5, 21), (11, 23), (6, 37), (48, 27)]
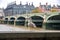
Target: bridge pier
[(44, 25), (14, 23)]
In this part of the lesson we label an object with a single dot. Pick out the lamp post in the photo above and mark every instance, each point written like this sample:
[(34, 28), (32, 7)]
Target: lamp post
[(26, 21)]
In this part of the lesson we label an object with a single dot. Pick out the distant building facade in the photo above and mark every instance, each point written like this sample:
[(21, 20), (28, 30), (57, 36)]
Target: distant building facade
[(45, 8), (55, 8), (14, 9), (1, 13)]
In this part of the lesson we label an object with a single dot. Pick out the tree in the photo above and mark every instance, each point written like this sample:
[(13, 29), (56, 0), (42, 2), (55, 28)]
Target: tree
[(37, 10), (54, 10)]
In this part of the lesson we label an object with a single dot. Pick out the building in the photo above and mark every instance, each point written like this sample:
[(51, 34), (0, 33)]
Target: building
[(55, 8), (1, 13), (45, 8), (14, 9)]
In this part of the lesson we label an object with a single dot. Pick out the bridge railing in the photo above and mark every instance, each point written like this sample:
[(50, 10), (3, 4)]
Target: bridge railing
[(25, 20), (53, 21)]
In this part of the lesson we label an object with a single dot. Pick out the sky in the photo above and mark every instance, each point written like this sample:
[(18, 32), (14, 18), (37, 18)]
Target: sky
[(4, 3)]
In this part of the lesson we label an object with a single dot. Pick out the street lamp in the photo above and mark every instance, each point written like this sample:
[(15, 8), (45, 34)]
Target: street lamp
[(26, 21)]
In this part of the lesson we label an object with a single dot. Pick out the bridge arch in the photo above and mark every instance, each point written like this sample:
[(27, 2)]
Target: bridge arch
[(35, 15), (20, 21), (55, 17), (12, 18), (53, 14), (53, 22), (11, 21), (6, 20), (20, 18), (37, 20)]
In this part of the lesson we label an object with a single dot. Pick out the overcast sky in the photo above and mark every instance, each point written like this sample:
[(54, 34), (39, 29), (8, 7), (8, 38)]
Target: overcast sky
[(3, 3)]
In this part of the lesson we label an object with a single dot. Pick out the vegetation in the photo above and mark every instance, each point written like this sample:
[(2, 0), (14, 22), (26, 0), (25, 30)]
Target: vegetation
[(37, 10)]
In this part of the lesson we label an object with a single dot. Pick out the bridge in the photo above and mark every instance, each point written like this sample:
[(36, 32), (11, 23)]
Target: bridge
[(43, 20)]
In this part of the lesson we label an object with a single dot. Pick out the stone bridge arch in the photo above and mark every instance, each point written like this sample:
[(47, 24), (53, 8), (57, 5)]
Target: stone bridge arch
[(37, 20), (11, 21), (20, 21), (52, 15), (36, 14), (6, 20), (53, 22), (55, 17), (12, 18)]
